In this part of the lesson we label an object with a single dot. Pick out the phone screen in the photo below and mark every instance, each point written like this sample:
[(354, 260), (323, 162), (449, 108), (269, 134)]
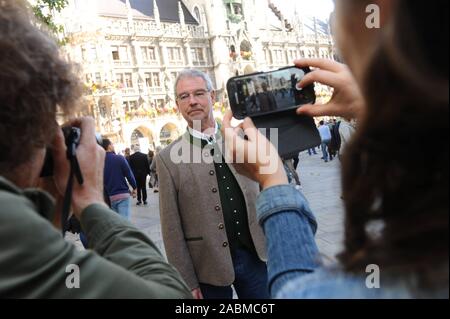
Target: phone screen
[(265, 93)]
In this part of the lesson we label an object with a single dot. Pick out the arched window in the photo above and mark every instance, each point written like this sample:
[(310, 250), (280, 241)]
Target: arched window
[(168, 134), (233, 54), (136, 137), (197, 15)]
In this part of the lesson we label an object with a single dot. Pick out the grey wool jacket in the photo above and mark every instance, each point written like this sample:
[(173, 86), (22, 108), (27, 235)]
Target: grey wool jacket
[(192, 220)]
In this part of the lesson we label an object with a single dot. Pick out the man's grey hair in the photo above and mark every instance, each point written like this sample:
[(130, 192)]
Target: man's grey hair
[(192, 73)]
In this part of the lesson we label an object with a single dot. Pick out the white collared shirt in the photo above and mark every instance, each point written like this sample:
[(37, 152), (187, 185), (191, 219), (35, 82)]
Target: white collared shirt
[(211, 139)]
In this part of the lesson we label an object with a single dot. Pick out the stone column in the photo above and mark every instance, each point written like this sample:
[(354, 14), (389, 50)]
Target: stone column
[(187, 49), (164, 55)]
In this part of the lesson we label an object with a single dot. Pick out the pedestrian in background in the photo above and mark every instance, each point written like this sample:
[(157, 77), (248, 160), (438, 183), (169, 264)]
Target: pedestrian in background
[(118, 178), (325, 135), (139, 166), (153, 172)]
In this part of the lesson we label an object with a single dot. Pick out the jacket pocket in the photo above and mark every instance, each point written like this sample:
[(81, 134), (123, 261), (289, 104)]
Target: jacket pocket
[(194, 239)]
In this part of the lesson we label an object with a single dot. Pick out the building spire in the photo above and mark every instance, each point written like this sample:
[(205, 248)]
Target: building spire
[(156, 14), (286, 25), (298, 23), (130, 16), (181, 14)]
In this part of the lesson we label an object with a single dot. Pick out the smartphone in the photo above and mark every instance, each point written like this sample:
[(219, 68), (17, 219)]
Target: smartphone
[(264, 93)]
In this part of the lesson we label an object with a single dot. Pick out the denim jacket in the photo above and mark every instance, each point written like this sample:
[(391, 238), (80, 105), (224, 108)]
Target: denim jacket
[(293, 257)]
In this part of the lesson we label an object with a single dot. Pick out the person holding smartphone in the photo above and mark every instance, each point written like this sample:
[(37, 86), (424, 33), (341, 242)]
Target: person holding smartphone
[(396, 206)]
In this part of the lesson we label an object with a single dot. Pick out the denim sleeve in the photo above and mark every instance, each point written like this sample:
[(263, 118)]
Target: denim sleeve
[(289, 226)]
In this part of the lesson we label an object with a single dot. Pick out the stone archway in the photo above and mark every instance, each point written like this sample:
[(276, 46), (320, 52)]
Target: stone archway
[(168, 134), (142, 139)]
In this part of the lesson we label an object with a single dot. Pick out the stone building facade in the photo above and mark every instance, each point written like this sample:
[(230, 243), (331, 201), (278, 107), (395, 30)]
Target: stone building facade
[(131, 51)]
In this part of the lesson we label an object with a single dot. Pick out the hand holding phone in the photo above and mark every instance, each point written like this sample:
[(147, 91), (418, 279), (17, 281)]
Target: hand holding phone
[(347, 100), (271, 99), (261, 161)]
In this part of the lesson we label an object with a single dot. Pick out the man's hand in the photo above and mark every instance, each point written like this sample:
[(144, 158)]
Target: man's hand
[(91, 158), (197, 293), (347, 100), (134, 193)]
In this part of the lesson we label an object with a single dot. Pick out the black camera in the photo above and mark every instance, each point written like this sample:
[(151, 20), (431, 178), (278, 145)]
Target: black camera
[(72, 136)]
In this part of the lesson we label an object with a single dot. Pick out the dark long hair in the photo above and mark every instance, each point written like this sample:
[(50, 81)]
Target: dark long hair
[(395, 171)]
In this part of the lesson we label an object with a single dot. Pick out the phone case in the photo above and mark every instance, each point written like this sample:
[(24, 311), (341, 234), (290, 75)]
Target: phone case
[(295, 133)]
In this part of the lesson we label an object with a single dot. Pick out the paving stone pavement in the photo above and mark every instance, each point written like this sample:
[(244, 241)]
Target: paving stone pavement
[(320, 184)]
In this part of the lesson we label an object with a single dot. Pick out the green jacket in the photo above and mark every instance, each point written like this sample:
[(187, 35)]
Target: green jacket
[(34, 258)]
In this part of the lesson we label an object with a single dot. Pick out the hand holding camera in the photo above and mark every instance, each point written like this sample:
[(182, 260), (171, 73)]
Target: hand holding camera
[(91, 160)]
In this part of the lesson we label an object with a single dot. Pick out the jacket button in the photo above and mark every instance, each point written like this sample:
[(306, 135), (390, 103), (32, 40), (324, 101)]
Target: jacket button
[(217, 208), (221, 226), (214, 190), (225, 244), (212, 173)]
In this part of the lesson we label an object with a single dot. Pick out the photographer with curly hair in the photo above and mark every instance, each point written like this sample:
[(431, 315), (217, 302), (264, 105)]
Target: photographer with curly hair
[(34, 258)]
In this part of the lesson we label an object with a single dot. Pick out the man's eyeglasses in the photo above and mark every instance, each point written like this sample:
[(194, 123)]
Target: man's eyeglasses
[(198, 95)]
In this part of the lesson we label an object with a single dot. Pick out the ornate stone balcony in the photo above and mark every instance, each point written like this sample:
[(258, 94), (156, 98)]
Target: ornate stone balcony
[(130, 91), (319, 39), (200, 63), (151, 63), (149, 28), (289, 37), (280, 36), (122, 63), (155, 90), (197, 31), (176, 63)]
